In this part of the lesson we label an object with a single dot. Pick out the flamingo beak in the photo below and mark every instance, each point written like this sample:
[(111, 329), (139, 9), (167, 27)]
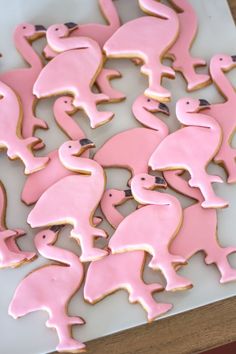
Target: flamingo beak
[(164, 108), (71, 26), (40, 29), (128, 193), (85, 144), (233, 58), (160, 182), (56, 228), (203, 104)]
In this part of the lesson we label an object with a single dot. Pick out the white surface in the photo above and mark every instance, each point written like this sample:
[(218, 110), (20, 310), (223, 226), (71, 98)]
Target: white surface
[(29, 334)]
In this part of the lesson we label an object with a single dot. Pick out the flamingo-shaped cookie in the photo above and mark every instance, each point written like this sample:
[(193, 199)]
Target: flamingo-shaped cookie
[(10, 132), (100, 33), (73, 71), (50, 288), (152, 228), (39, 181), (22, 80), (73, 199), (199, 230), (180, 51), (148, 39), (10, 253), (225, 112), (131, 149), (192, 148)]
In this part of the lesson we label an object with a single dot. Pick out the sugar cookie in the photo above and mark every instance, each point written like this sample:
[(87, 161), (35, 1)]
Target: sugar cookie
[(148, 39), (73, 199), (73, 71), (132, 148), (37, 183), (199, 230), (50, 288), (224, 112), (10, 254), (22, 80), (123, 271), (10, 127), (180, 50), (192, 148), (152, 228)]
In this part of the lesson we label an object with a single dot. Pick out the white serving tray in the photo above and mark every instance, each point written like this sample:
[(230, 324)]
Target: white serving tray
[(29, 334)]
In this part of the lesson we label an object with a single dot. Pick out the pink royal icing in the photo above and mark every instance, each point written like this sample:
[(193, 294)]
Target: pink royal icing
[(148, 39), (32, 294), (22, 80), (152, 228), (180, 51), (131, 149), (73, 199), (224, 113), (36, 184), (199, 230), (201, 138), (73, 71), (10, 136)]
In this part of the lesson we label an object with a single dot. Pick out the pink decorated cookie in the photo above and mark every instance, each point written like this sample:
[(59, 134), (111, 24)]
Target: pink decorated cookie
[(73, 71), (148, 39), (152, 228), (180, 51), (199, 230), (123, 271), (132, 148), (73, 199), (192, 148), (50, 288), (37, 183), (10, 132), (22, 80), (224, 112), (10, 254)]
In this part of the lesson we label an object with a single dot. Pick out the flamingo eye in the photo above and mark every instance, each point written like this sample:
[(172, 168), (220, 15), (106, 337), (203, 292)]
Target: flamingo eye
[(44, 236), (110, 195), (221, 59), (69, 146), (56, 29), (187, 102), (24, 27), (65, 101), (149, 100), (143, 179)]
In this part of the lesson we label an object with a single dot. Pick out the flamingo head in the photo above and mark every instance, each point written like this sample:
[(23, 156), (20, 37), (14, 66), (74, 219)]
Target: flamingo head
[(151, 105), (116, 196), (47, 237), (61, 30), (145, 181), (225, 62), (74, 147), (31, 32), (191, 105), (65, 104)]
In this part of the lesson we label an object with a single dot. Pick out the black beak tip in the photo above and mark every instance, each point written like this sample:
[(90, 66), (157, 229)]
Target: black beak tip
[(70, 25), (233, 58), (85, 142), (40, 28), (164, 108), (203, 103), (160, 181), (56, 228), (128, 193)]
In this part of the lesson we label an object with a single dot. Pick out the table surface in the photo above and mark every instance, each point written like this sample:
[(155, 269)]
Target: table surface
[(191, 332)]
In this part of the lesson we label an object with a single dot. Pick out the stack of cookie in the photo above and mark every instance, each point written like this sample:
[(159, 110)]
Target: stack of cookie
[(68, 185)]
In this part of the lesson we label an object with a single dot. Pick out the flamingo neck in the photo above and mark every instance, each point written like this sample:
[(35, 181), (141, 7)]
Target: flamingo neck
[(69, 43), (60, 255), (3, 202), (67, 124), (158, 9), (146, 196), (197, 120), (113, 216), (183, 6), (110, 13), (149, 120), (27, 51), (222, 82)]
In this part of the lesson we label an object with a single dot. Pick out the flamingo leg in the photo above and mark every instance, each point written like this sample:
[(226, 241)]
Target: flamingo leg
[(103, 83), (8, 257), (227, 157)]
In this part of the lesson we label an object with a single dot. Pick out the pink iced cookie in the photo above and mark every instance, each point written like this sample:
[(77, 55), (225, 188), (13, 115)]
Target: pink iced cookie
[(123, 271), (50, 288), (192, 148), (199, 230), (73, 71), (10, 132), (131, 149), (152, 228), (10, 254), (73, 199), (22, 80), (180, 51), (37, 183), (225, 112), (148, 39)]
